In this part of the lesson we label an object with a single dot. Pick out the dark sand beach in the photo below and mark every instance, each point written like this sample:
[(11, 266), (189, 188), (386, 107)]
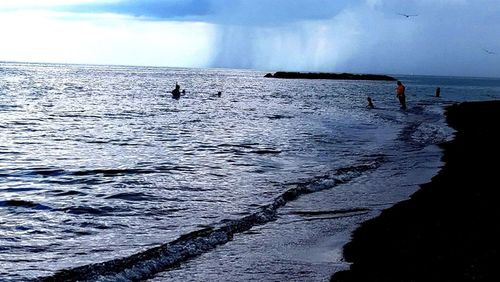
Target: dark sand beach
[(449, 230)]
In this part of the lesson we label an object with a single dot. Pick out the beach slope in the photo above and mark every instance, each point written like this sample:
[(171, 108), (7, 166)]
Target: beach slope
[(450, 229)]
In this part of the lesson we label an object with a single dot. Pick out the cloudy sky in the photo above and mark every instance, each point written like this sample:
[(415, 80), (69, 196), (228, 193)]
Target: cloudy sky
[(447, 37)]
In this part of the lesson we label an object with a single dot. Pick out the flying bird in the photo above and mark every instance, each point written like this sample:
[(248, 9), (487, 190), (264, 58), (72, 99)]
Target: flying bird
[(406, 15), (488, 51)]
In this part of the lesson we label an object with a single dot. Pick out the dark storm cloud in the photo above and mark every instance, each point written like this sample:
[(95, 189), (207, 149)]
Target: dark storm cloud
[(153, 9), (448, 37), (236, 12)]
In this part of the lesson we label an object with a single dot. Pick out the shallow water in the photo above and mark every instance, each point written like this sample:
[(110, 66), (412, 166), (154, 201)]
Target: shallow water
[(98, 162)]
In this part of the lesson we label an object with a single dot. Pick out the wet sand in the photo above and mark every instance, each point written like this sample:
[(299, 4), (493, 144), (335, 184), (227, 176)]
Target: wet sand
[(449, 230)]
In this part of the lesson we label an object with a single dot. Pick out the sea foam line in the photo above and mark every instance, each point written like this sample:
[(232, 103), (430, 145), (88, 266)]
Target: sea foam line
[(147, 263)]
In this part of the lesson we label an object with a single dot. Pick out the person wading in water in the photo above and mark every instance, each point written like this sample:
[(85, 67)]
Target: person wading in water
[(400, 93), (176, 93)]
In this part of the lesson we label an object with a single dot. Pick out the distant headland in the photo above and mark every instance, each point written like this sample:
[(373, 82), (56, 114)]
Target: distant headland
[(324, 75)]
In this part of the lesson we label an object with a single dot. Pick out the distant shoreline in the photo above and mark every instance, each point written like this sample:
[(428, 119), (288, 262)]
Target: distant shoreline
[(324, 75), (448, 230)]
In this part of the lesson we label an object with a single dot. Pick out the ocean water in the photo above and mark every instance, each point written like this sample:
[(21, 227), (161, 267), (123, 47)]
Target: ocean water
[(98, 164)]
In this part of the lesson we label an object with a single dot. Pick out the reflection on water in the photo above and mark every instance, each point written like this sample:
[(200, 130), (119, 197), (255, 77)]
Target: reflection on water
[(98, 163)]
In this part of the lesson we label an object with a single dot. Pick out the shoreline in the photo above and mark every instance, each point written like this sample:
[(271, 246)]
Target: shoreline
[(447, 230)]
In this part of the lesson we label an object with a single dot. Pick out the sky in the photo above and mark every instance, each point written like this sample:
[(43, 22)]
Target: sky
[(445, 37)]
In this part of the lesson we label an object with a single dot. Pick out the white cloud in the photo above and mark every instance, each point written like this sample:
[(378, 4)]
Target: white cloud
[(103, 39), (20, 4)]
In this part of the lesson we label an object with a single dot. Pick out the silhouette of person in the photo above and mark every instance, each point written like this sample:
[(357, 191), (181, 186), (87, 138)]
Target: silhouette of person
[(400, 93), (438, 92), (176, 93), (219, 94), (370, 103)]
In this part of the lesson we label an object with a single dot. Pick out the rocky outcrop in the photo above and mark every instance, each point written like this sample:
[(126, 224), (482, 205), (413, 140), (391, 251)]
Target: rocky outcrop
[(322, 75)]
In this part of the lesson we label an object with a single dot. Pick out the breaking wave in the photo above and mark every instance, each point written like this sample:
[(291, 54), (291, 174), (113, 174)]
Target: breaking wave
[(147, 263)]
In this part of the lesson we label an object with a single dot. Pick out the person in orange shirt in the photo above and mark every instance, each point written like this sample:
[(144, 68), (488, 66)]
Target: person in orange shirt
[(400, 93)]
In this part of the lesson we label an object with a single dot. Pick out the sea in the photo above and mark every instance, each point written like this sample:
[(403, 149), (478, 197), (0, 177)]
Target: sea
[(105, 177)]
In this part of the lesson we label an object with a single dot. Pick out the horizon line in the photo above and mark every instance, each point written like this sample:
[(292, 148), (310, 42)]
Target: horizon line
[(226, 68)]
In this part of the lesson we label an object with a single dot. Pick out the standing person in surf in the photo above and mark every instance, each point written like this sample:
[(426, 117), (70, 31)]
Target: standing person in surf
[(438, 92), (400, 93)]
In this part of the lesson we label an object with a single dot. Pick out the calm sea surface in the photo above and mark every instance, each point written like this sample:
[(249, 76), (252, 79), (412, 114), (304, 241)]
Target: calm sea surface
[(99, 163)]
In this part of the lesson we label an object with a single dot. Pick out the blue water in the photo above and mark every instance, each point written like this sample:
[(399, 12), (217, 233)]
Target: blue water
[(98, 163)]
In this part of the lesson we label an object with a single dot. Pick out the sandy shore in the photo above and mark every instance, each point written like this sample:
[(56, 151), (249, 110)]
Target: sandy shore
[(450, 229)]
